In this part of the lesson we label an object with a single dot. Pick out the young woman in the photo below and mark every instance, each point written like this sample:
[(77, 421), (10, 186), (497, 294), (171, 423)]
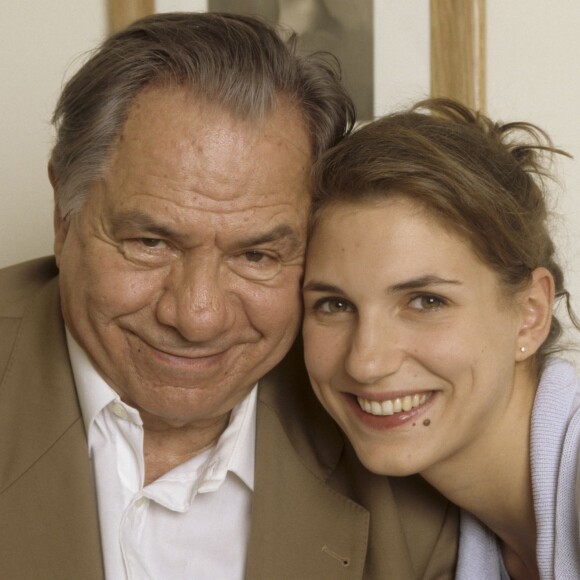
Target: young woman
[(429, 328)]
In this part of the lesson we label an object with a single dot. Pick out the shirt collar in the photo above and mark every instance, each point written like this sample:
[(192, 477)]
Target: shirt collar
[(234, 451), (92, 390)]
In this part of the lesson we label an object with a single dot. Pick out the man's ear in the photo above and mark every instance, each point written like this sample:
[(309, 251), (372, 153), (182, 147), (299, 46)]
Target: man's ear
[(537, 303), (52, 177), (61, 224), (57, 218)]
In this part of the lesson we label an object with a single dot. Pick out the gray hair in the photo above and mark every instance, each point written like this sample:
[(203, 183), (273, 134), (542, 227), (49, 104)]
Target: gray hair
[(238, 62)]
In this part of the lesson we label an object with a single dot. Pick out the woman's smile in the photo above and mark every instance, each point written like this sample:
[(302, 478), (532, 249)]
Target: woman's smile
[(409, 341)]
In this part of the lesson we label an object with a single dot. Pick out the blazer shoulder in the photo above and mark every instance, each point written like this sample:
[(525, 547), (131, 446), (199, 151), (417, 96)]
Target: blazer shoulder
[(19, 285), (21, 282)]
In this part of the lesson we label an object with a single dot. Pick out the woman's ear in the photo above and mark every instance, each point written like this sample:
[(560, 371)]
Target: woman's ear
[(536, 303)]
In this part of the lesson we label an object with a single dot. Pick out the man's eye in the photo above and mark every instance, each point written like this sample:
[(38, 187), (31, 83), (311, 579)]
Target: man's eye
[(147, 251), (427, 302), (151, 242), (253, 256), (256, 265)]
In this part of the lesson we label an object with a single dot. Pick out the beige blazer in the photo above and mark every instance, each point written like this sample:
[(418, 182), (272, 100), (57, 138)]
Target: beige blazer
[(317, 514)]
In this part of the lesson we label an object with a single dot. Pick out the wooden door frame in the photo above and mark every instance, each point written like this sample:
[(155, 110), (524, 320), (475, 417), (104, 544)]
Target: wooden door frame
[(458, 47), (457, 27), (121, 13)]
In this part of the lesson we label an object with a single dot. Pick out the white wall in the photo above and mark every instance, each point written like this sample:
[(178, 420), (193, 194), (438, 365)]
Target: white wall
[(533, 52), (533, 60), (40, 43)]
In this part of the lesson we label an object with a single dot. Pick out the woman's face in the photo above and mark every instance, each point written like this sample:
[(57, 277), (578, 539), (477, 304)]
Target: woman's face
[(410, 342)]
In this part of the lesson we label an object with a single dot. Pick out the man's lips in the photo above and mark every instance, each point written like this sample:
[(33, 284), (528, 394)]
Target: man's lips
[(188, 355), (183, 356)]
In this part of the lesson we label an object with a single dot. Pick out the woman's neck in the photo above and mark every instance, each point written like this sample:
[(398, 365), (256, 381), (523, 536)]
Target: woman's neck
[(491, 479)]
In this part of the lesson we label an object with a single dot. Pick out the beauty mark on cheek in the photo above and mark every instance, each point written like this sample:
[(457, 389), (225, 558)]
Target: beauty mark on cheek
[(426, 422)]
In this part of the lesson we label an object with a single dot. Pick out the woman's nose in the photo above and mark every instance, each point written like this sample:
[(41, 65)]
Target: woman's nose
[(374, 352)]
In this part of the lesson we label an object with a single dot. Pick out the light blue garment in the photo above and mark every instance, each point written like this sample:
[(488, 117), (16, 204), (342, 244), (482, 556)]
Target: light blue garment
[(555, 445)]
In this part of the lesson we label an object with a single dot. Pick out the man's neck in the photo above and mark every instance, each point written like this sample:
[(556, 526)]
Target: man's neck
[(166, 448)]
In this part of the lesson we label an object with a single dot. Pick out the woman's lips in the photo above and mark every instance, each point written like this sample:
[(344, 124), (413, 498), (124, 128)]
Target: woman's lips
[(394, 411), (393, 405)]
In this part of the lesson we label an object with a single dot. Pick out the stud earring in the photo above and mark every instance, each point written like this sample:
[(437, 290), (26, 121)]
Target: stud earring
[(522, 349)]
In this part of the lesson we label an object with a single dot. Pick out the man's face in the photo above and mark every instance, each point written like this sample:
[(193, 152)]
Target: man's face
[(180, 275)]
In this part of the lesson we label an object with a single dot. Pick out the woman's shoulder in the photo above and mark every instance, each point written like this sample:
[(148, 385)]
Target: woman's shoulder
[(479, 554), (559, 377), (557, 402)]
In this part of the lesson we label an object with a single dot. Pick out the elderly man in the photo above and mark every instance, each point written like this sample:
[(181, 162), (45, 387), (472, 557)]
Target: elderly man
[(153, 423)]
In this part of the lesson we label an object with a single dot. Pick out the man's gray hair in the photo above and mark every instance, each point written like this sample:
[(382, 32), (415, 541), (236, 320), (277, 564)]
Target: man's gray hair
[(238, 62)]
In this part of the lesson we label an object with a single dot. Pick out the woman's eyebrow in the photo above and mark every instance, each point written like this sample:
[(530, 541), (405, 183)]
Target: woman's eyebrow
[(413, 284), (315, 286), (421, 282)]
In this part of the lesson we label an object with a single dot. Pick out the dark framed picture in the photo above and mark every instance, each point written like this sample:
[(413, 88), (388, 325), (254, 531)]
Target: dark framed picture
[(342, 27)]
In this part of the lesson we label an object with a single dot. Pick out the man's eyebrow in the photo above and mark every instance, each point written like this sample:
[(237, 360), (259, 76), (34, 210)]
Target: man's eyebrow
[(420, 282), (280, 232), (142, 221)]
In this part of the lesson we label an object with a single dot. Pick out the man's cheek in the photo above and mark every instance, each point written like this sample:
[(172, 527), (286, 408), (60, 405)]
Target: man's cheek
[(122, 292)]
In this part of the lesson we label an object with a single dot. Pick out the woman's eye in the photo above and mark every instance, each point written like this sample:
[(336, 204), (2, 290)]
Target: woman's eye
[(333, 306), (427, 302)]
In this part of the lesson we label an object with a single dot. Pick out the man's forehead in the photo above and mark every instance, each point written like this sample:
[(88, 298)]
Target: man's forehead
[(184, 143), (284, 121)]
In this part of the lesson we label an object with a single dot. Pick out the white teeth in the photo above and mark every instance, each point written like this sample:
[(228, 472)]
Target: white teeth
[(392, 406)]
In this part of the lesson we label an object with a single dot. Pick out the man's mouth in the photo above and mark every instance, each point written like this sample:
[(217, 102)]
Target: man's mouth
[(181, 351), (393, 406)]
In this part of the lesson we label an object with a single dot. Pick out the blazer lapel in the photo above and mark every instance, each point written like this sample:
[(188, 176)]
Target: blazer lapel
[(301, 528), (312, 497), (47, 502)]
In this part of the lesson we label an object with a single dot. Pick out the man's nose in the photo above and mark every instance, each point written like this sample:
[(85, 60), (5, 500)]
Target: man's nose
[(375, 350), (196, 301)]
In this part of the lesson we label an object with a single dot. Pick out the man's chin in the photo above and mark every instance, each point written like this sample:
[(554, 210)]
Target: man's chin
[(170, 406)]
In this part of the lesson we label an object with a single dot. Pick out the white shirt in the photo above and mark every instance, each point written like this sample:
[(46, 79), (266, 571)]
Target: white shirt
[(194, 521)]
